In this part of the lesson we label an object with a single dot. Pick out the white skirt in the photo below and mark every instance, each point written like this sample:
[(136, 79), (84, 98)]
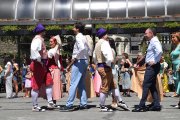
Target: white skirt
[(28, 83)]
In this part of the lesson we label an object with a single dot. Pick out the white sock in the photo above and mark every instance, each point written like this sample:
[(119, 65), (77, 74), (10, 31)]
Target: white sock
[(34, 95), (49, 93), (102, 98), (116, 94)]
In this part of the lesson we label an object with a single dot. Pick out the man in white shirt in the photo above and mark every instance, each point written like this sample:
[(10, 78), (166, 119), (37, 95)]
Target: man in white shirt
[(79, 65), (152, 60), (103, 57), (40, 74)]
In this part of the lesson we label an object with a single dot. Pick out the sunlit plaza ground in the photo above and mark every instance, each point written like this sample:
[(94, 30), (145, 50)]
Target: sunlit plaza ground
[(20, 109)]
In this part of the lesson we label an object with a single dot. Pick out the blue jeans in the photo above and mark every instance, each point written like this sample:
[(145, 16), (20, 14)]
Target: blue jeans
[(78, 75)]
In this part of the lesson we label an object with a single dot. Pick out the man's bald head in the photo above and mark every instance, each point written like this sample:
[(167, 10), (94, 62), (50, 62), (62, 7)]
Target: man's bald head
[(150, 33)]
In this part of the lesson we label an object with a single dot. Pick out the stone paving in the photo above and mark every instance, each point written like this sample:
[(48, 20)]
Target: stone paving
[(20, 109)]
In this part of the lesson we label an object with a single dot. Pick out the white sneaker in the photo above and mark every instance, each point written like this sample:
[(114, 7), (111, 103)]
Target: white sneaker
[(38, 109), (122, 105), (56, 106), (177, 106), (50, 105), (105, 109)]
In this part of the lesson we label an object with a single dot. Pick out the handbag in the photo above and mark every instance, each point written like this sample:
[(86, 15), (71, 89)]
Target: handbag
[(97, 82)]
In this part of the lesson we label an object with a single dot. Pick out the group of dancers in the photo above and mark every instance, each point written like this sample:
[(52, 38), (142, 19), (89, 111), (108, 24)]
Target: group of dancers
[(46, 68)]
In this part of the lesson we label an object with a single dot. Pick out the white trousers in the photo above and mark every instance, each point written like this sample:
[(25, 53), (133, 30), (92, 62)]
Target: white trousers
[(9, 89)]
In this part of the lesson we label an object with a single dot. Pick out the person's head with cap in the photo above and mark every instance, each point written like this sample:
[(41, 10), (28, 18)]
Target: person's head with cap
[(39, 29), (102, 33)]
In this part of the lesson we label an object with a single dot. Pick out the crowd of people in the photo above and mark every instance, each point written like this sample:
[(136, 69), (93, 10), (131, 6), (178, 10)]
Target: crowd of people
[(150, 78)]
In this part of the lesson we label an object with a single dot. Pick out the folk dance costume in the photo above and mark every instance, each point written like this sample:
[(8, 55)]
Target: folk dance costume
[(88, 80), (103, 57), (54, 64), (79, 65), (78, 71), (41, 75)]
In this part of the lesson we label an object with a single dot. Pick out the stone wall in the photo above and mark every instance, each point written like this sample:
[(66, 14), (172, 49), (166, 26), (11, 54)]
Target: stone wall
[(8, 48)]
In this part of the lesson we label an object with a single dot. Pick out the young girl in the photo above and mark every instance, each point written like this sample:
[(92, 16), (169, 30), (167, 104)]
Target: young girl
[(126, 75), (28, 82)]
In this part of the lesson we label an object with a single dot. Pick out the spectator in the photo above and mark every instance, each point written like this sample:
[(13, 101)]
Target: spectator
[(15, 77), (163, 75), (175, 55), (24, 72), (8, 78), (126, 75), (28, 85)]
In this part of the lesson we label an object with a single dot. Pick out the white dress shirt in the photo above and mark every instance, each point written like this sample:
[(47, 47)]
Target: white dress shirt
[(154, 51), (36, 46), (81, 49), (107, 52)]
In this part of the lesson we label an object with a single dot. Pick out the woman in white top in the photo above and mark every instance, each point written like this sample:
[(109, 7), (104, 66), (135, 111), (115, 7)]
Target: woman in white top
[(54, 64), (8, 78)]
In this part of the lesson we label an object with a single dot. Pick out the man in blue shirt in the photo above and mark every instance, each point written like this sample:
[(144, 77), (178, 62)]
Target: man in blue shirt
[(152, 58)]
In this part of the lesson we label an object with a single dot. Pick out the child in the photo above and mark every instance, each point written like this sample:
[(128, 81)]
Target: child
[(28, 82), (170, 79)]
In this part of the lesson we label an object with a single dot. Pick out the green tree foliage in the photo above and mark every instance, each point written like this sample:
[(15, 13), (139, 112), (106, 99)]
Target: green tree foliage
[(53, 27), (106, 26), (31, 28), (138, 25), (68, 27), (9, 28), (171, 24)]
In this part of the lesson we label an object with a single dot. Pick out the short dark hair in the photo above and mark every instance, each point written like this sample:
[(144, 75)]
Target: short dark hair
[(126, 55), (112, 44), (153, 30), (80, 26), (7, 59)]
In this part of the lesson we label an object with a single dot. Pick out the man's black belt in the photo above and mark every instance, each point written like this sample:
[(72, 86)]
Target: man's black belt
[(152, 65)]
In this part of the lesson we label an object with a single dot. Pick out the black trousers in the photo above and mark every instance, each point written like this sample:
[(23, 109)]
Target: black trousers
[(149, 83)]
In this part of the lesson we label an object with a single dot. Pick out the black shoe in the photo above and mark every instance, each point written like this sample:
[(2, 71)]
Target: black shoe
[(139, 109), (105, 109), (154, 108), (84, 107), (149, 106), (128, 95), (66, 109)]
